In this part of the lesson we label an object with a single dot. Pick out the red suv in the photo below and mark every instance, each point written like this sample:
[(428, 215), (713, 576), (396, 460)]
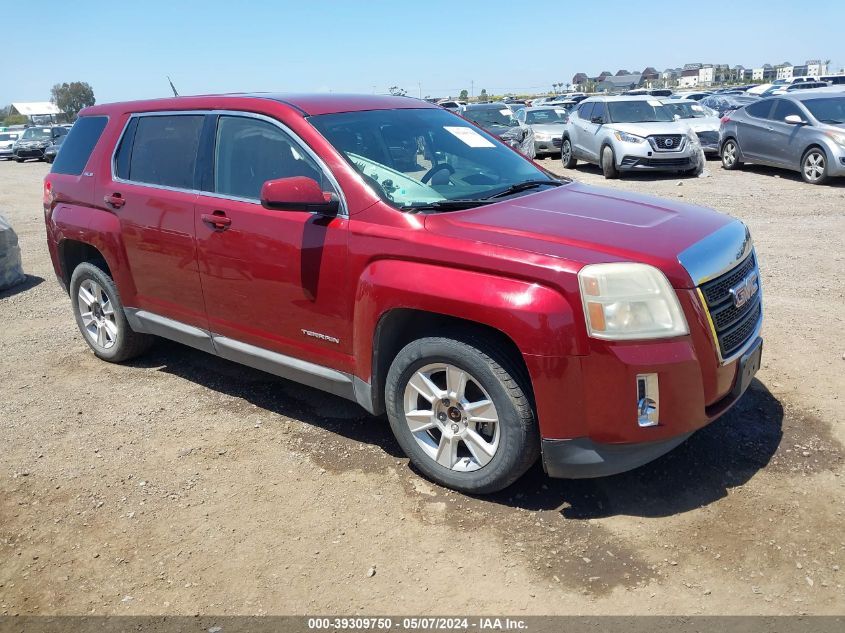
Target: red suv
[(392, 253)]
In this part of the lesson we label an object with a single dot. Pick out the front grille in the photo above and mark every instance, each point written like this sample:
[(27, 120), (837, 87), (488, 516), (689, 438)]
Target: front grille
[(708, 138), (667, 142), (634, 161), (557, 142), (734, 326)]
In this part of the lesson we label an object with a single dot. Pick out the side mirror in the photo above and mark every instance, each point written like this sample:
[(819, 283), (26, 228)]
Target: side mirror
[(598, 120), (298, 194), (794, 119)]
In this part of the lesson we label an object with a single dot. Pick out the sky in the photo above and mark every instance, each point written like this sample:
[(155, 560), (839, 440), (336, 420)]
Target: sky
[(125, 50)]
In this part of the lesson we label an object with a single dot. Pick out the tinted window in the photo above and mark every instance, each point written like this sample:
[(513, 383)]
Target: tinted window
[(638, 111), (785, 107), (827, 110), (760, 110), (600, 109), (249, 152), (584, 112), (165, 150), (78, 145)]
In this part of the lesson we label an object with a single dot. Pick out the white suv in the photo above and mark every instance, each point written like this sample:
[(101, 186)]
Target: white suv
[(629, 133)]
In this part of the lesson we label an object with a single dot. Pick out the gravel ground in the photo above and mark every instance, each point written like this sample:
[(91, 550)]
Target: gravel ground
[(184, 484)]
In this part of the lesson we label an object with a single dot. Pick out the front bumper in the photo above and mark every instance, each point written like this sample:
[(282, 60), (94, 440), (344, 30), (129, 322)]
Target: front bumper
[(5, 152), (837, 166), (29, 152), (644, 157), (548, 147)]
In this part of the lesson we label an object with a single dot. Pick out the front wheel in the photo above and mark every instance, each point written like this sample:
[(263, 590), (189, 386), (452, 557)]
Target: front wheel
[(567, 158), (814, 166), (458, 410), (100, 316), (608, 163)]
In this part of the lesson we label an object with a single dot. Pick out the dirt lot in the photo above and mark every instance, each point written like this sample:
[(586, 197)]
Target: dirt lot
[(185, 484)]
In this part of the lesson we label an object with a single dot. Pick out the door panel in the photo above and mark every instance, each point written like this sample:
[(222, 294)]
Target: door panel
[(753, 131), (273, 279), (787, 142)]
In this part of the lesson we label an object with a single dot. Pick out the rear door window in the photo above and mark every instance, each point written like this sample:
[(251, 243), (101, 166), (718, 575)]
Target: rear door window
[(164, 151), (77, 147), (760, 109), (585, 111)]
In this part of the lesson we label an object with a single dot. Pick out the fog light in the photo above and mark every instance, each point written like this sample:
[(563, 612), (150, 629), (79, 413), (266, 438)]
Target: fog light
[(648, 400)]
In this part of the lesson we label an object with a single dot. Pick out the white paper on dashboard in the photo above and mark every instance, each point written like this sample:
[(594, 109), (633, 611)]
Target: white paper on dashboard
[(468, 136)]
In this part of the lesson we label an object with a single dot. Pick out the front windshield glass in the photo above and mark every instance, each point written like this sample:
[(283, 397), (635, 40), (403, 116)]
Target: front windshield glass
[(829, 110), (639, 111), (36, 133), (547, 115), (417, 157), (489, 116), (688, 110), (7, 136)]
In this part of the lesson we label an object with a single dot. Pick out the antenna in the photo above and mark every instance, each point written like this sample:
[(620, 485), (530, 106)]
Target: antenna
[(172, 87)]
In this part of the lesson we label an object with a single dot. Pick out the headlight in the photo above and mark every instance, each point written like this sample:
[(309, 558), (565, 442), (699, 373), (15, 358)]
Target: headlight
[(837, 137), (629, 301), (628, 138)]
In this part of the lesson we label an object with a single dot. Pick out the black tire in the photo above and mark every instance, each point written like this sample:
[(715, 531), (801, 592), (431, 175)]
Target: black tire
[(18, 160), (729, 154), (487, 365), (567, 158), (126, 343), (608, 163), (820, 168)]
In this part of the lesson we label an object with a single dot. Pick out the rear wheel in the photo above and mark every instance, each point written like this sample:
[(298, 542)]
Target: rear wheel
[(100, 316), (459, 412), (608, 163), (567, 158), (814, 166), (730, 155)]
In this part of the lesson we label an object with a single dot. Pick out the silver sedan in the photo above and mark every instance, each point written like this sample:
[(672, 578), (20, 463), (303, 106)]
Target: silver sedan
[(547, 124)]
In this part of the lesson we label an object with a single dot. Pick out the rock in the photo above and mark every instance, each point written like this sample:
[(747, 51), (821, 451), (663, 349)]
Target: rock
[(11, 271), (680, 183), (371, 572)]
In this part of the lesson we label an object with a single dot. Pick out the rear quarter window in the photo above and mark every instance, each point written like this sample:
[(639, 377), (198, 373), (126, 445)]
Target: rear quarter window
[(77, 147)]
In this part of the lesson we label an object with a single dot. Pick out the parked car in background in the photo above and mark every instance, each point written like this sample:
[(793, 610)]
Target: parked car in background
[(547, 124), (7, 141), (628, 134), (801, 85), (451, 106), (700, 119), (655, 92), (496, 118), (497, 315), (693, 95), (722, 104), (803, 131), (833, 80), (35, 140), (53, 148)]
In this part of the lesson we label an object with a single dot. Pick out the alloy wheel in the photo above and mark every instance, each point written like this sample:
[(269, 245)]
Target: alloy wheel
[(451, 417), (97, 314), (566, 151), (729, 154), (814, 166)]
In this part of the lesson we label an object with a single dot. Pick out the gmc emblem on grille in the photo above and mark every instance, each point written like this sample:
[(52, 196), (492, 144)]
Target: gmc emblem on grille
[(745, 289)]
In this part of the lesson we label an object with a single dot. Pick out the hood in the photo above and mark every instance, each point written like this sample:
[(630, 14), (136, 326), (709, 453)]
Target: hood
[(495, 129), (704, 124), (588, 225), (555, 129), (647, 129)]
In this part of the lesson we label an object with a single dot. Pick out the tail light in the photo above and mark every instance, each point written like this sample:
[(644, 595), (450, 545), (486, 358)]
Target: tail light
[(48, 193)]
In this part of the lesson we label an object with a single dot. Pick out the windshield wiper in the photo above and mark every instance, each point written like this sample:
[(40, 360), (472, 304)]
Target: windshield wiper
[(447, 205), (523, 186)]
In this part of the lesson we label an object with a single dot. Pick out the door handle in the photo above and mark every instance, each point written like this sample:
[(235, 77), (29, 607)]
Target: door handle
[(115, 200), (217, 220)]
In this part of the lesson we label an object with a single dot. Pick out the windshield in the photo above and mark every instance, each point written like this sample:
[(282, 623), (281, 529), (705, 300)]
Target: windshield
[(416, 157), (640, 111), (489, 116), (36, 133), (829, 110), (7, 136), (547, 115), (688, 110)]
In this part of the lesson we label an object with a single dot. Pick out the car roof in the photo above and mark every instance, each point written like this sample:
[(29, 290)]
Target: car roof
[(812, 93), (305, 104), (611, 98), (541, 107), (480, 106)]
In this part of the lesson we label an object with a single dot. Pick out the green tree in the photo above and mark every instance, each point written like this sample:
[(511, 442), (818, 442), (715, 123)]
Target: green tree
[(72, 97), (482, 96), (396, 91), (464, 95)]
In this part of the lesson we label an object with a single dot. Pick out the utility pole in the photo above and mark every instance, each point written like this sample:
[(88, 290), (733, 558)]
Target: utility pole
[(472, 88), (374, 89), (419, 87)]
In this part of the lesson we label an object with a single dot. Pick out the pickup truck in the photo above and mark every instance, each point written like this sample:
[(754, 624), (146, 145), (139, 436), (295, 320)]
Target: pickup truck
[(392, 253)]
